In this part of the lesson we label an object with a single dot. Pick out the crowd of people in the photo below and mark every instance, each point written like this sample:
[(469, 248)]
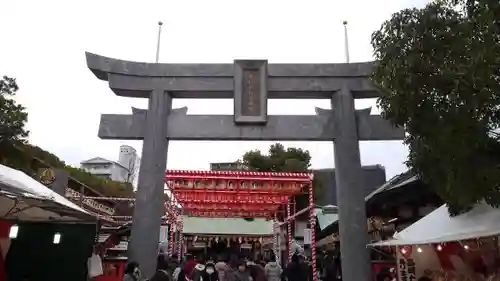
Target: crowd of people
[(234, 268)]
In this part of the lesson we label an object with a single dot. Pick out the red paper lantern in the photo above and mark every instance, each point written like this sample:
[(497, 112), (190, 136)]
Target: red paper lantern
[(405, 251)]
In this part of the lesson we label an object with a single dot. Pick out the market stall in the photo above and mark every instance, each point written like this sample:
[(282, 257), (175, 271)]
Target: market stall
[(40, 230), (441, 247), (24, 198)]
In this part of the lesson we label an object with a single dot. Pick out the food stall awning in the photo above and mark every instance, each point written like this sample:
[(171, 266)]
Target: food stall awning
[(438, 227), (24, 198)]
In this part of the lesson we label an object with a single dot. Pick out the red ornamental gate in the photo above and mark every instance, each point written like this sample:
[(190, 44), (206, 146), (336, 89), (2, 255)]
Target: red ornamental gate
[(239, 194)]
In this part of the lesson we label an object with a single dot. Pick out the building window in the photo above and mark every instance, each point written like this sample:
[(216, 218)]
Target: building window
[(101, 166), (106, 176)]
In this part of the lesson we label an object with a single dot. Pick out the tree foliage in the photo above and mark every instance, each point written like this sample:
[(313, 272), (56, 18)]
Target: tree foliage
[(280, 159), (439, 73), (13, 116), (17, 153)]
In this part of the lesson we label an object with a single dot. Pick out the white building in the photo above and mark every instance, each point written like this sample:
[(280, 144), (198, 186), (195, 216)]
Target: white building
[(125, 170)]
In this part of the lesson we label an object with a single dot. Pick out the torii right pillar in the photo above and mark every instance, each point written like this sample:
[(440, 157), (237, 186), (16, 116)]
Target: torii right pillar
[(353, 229)]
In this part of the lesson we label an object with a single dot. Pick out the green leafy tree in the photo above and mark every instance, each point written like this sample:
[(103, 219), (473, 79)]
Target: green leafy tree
[(280, 159), (13, 116), (439, 73)]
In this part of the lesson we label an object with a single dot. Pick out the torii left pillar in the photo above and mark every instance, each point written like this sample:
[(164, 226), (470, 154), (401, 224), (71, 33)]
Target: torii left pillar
[(143, 246)]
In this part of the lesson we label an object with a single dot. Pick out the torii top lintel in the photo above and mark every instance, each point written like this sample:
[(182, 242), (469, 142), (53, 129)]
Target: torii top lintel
[(290, 81)]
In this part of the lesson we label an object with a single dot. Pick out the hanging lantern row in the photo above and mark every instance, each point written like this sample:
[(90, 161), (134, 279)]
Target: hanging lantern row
[(237, 239), (468, 245), (190, 196), (290, 187), (229, 207), (230, 214)]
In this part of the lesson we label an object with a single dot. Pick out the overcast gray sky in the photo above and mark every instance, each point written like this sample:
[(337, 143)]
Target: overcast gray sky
[(44, 44)]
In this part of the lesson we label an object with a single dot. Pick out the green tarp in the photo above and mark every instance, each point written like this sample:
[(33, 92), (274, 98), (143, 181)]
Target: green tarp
[(227, 226)]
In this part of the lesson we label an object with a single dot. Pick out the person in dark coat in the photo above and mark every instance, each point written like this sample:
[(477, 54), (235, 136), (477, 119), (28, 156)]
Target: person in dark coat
[(242, 273), (295, 271), (308, 268), (333, 269), (256, 271), (231, 268), (161, 273)]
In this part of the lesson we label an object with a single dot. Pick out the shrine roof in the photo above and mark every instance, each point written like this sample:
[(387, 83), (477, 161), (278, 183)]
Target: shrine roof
[(301, 176), (227, 226)]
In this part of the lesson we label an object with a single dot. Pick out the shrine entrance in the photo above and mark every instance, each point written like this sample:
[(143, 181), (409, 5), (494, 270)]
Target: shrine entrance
[(250, 83), (241, 195)]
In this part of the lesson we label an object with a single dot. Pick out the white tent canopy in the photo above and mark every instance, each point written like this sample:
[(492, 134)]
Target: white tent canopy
[(24, 198), (437, 227)]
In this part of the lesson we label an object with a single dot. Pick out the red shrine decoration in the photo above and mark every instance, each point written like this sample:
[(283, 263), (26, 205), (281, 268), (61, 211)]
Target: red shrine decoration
[(239, 194)]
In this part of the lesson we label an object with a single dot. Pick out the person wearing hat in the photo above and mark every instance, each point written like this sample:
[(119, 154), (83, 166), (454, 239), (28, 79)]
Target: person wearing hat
[(210, 273)]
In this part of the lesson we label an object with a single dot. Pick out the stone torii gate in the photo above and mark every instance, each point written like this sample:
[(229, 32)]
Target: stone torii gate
[(250, 83)]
